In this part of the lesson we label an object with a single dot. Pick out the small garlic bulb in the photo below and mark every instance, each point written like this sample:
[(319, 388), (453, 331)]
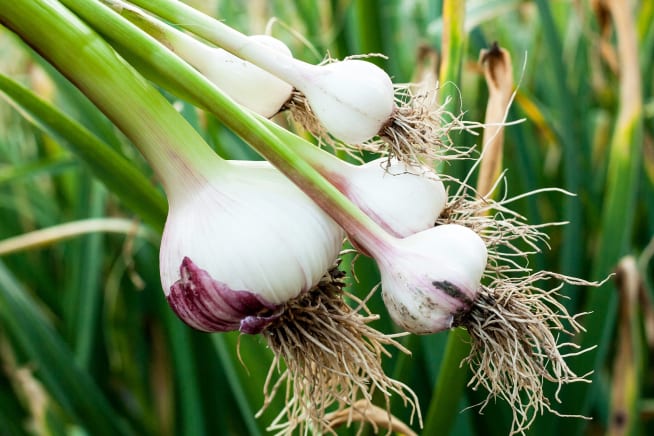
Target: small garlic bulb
[(353, 99), (246, 83), (431, 279), (402, 199)]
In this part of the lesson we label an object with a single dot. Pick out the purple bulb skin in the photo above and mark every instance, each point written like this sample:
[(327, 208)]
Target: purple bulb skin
[(209, 305)]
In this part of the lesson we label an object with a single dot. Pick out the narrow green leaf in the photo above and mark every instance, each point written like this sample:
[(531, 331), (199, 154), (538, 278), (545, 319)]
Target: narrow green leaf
[(367, 14), (618, 212), (240, 386), (450, 385), (190, 398), (452, 49), (86, 290), (71, 387), (120, 177), (572, 233), (53, 165)]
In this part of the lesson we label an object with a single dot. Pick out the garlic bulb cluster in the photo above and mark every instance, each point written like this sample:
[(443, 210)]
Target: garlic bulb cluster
[(430, 280), (430, 276), (242, 240), (248, 238)]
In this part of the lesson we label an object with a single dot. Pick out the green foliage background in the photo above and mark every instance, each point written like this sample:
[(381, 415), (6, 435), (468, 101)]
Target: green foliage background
[(87, 342)]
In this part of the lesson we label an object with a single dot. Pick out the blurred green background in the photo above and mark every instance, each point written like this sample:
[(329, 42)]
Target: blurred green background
[(88, 344)]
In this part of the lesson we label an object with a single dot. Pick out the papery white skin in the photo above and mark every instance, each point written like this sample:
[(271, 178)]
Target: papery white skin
[(246, 83), (252, 229), (432, 276), (403, 199), (353, 99)]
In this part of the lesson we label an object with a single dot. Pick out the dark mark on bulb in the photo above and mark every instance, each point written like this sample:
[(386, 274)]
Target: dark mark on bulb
[(452, 290)]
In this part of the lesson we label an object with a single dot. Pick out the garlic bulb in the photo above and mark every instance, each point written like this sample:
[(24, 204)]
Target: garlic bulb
[(401, 198), (353, 99), (244, 240), (246, 83), (431, 279)]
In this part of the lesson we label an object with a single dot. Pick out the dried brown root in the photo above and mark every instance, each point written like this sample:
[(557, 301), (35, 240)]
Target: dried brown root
[(514, 329), (363, 410), (331, 359), (509, 238), (515, 323), (419, 130)]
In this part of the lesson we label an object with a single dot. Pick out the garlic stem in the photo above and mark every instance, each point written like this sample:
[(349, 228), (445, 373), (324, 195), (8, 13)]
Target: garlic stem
[(149, 121)]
